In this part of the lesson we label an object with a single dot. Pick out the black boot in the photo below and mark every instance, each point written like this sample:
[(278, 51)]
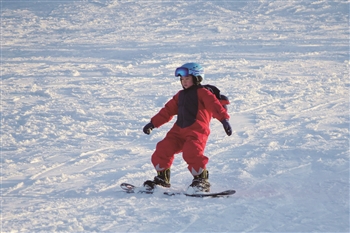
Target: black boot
[(162, 179), (200, 183)]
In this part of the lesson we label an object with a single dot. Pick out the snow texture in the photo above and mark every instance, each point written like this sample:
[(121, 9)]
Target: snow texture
[(79, 80)]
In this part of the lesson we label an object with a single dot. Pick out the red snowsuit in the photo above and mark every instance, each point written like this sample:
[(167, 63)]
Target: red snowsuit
[(194, 108)]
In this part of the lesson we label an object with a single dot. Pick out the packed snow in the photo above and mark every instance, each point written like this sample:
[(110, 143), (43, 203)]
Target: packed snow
[(80, 79)]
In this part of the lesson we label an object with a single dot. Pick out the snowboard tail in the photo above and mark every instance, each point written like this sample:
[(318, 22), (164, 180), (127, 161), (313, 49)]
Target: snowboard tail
[(129, 188)]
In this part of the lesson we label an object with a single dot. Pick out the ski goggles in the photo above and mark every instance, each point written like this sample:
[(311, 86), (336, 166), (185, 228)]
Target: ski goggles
[(182, 71)]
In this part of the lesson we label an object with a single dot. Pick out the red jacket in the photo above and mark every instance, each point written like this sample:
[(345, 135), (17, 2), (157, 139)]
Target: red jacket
[(195, 104)]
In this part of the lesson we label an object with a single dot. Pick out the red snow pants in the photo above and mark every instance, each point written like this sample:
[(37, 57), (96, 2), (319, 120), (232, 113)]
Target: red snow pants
[(189, 141)]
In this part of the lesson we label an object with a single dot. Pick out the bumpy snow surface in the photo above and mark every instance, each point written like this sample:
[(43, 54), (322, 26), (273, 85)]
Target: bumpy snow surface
[(79, 80)]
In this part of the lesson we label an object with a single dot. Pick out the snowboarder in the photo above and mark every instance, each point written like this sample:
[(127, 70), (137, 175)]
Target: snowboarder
[(194, 106)]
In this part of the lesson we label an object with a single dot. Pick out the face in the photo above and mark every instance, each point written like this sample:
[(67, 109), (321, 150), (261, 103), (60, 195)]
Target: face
[(187, 81)]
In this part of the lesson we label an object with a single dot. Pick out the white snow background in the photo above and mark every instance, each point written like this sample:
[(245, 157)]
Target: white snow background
[(80, 79)]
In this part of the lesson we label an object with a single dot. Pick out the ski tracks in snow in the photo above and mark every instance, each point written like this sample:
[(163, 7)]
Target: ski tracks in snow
[(63, 168), (54, 170)]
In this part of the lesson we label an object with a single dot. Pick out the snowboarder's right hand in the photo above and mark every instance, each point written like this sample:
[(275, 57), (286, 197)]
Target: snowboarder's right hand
[(148, 128)]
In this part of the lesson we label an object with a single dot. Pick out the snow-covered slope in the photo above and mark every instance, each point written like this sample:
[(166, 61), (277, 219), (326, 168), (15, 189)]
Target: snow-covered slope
[(79, 80)]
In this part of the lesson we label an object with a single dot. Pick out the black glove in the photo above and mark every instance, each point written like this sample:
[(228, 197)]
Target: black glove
[(227, 127), (148, 128)]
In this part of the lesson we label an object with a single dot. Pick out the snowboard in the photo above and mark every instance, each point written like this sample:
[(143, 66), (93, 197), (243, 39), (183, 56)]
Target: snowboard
[(129, 188)]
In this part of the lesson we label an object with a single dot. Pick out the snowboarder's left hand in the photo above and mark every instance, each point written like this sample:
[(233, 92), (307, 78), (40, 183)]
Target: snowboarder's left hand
[(227, 127)]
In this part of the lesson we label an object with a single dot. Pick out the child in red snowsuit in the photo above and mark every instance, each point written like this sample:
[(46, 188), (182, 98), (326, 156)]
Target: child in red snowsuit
[(194, 107)]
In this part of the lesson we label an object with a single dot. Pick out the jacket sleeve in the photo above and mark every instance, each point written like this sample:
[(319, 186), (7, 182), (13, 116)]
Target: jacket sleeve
[(166, 113), (213, 105), (224, 101)]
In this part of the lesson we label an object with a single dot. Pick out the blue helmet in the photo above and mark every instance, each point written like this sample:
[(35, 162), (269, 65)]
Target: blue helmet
[(193, 69)]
